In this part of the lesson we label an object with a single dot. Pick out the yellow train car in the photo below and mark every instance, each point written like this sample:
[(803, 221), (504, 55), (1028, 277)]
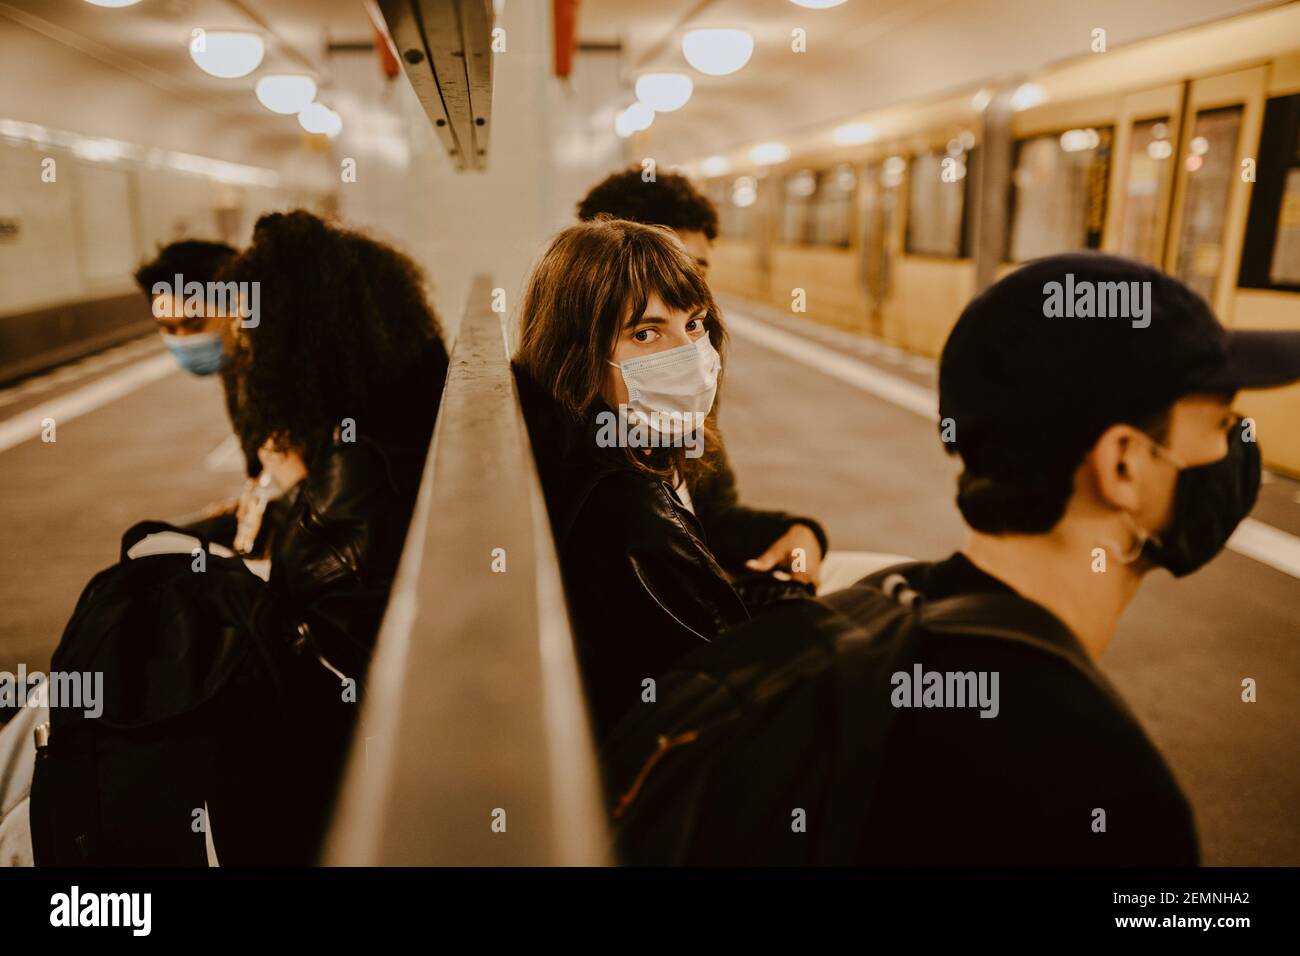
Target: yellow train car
[(1183, 151)]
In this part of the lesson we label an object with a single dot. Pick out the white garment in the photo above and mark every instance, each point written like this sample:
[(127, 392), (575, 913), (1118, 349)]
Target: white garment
[(17, 762), (684, 493), (842, 569)]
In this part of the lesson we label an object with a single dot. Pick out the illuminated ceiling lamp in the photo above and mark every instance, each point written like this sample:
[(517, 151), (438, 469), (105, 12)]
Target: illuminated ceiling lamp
[(1028, 95), (227, 55), (664, 92), (634, 119), (319, 118), (715, 166), (769, 154), (854, 134), (286, 92), (718, 52), (113, 3), (817, 4)]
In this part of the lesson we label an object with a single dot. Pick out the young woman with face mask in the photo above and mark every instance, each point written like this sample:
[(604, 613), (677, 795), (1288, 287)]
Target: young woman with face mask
[(621, 356)]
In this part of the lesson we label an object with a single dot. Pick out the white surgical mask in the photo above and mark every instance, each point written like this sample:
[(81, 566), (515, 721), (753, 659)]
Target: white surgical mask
[(676, 386)]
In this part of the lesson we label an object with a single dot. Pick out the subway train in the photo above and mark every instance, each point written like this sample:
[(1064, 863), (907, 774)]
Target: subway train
[(825, 210), (1179, 151)]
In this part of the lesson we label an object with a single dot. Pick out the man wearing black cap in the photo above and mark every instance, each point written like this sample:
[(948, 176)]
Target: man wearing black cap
[(1099, 443)]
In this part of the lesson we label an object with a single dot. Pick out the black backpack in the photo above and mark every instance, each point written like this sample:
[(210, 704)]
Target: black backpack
[(209, 701), (799, 696)]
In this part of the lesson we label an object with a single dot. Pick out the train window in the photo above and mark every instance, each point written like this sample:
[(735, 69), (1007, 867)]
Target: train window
[(833, 205), (735, 200), (936, 204), (1150, 169), (1211, 163), (817, 206), (1059, 192), (1270, 257), (797, 206)]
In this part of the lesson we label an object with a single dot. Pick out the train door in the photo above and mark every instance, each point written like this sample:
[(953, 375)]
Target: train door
[(1145, 160), (1221, 127)]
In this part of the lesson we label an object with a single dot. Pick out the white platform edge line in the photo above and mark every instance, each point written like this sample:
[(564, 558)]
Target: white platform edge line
[(27, 424)]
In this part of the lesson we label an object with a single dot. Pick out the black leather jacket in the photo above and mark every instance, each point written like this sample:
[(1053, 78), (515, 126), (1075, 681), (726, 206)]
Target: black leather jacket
[(647, 580), (334, 557), (338, 534)]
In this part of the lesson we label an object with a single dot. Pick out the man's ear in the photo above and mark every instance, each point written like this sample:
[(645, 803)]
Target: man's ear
[(1114, 466)]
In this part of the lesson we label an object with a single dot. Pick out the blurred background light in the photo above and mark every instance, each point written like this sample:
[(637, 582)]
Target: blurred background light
[(1078, 140), (319, 118), (113, 3), (891, 173), (717, 52), (803, 183), (769, 154), (854, 134), (1027, 95), (817, 4), (635, 118), (715, 166), (286, 93), (227, 55), (664, 92), (1160, 149), (744, 191)]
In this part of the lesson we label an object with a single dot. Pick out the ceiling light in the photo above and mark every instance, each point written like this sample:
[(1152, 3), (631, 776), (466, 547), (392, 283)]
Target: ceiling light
[(639, 116), (817, 4), (769, 154), (715, 166), (664, 92), (113, 3), (854, 134), (227, 55), (1027, 95), (634, 119), (718, 52), (286, 93), (319, 118)]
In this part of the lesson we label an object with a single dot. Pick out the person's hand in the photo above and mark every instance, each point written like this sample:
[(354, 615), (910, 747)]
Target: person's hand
[(286, 467), (219, 508), (797, 552)]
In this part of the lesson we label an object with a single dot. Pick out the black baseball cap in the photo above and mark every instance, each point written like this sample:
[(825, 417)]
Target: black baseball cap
[(1046, 359)]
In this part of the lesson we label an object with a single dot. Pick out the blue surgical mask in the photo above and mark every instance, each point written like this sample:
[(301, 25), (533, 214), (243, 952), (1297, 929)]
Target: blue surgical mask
[(198, 354)]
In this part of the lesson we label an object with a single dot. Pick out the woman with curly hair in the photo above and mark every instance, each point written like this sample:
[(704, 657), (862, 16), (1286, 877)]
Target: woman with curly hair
[(337, 379)]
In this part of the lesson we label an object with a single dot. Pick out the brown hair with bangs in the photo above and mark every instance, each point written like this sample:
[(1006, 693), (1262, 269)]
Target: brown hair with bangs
[(592, 277)]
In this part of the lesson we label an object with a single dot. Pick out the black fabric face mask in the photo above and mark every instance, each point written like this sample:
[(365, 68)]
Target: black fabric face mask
[(1209, 502)]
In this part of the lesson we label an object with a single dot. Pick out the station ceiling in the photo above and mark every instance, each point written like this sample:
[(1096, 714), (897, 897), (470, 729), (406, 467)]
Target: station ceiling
[(861, 55)]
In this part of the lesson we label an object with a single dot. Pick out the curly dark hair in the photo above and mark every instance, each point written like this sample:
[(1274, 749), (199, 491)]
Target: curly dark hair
[(669, 200), (344, 331), (198, 260)]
